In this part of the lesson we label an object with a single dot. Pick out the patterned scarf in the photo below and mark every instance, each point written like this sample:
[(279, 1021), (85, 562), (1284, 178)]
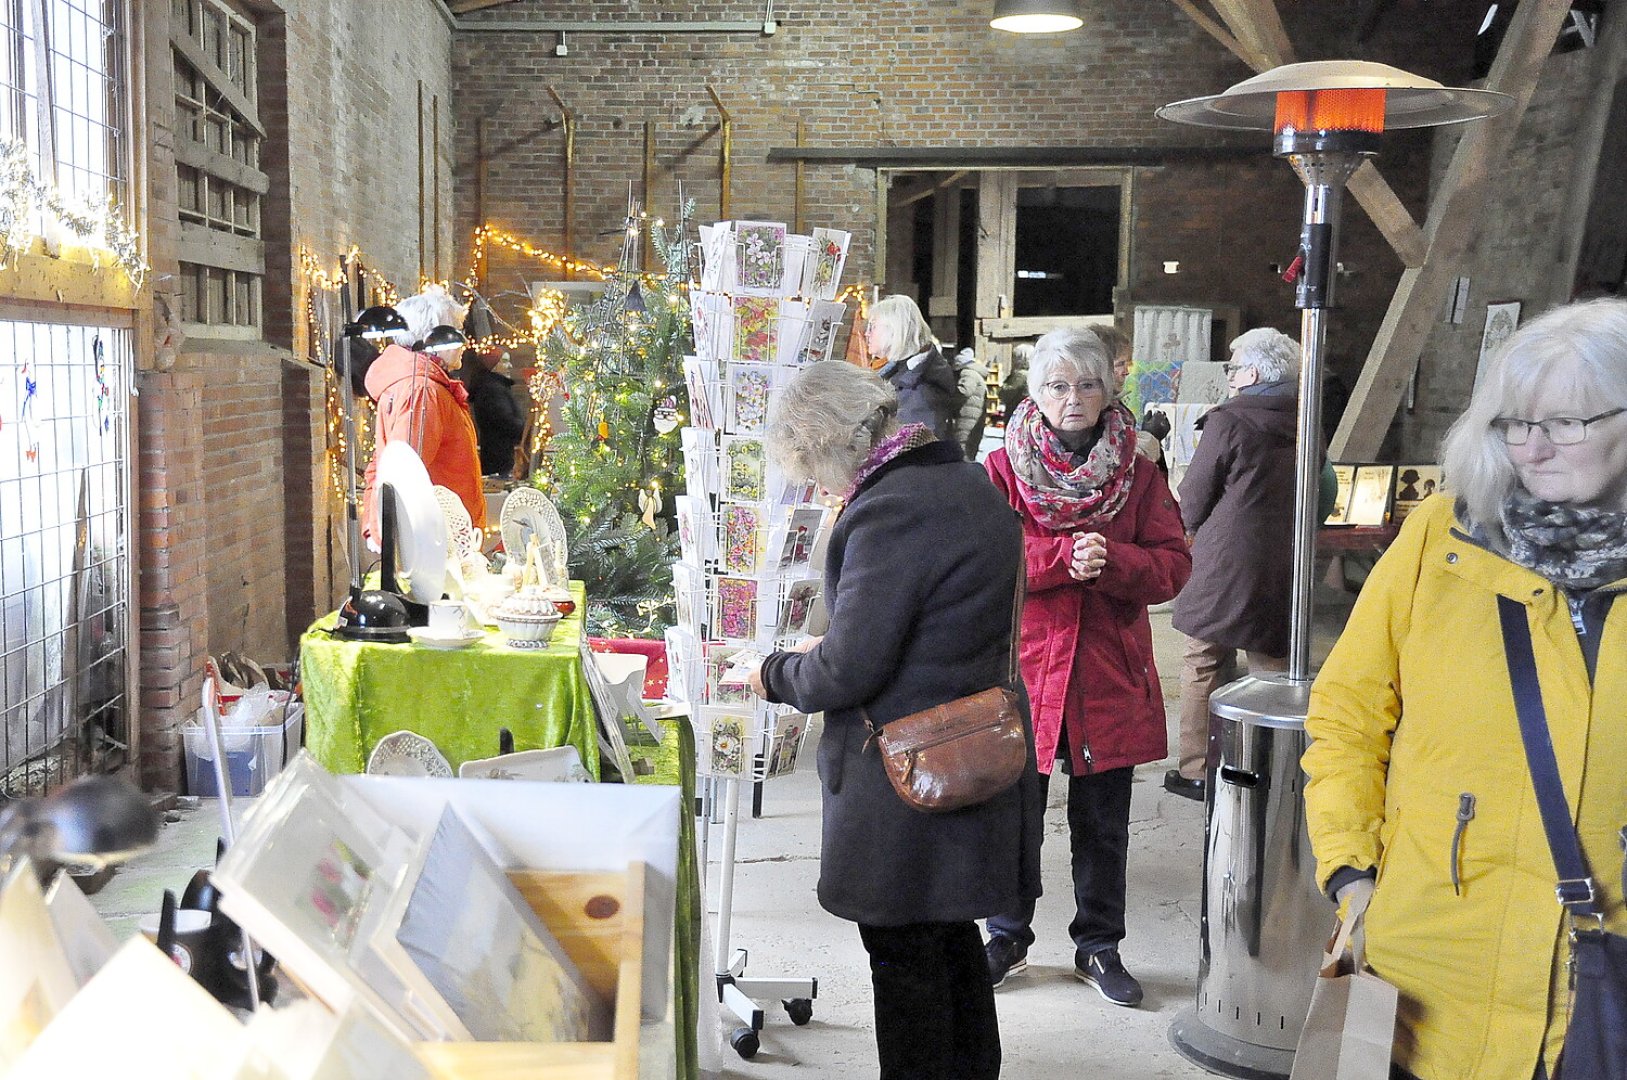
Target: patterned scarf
[(1577, 548), (1061, 492), (907, 438)]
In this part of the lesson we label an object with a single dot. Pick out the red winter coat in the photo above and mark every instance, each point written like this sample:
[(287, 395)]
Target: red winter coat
[(1087, 645)]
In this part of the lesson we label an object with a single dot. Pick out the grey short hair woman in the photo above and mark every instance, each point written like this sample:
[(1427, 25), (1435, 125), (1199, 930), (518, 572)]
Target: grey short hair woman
[(1102, 540), (928, 391), (920, 577), (1419, 802)]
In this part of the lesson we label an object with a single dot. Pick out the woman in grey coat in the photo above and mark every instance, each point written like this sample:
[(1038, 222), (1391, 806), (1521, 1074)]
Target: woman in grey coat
[(920, 577)]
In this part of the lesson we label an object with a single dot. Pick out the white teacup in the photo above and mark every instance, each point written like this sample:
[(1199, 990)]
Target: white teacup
[(449, 619)]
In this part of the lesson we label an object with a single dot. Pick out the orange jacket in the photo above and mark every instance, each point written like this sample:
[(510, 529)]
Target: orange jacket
[(420, 403)]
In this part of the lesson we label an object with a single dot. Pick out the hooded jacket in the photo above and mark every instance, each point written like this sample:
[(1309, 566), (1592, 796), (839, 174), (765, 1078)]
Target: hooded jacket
[(1238, 498), (420, 403), (1414, 712), (928, 393)]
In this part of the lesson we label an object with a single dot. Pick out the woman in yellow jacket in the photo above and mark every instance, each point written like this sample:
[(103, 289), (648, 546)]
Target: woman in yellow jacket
[(1419, 795)]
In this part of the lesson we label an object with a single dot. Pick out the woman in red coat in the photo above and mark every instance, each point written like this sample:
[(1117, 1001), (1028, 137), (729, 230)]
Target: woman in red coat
[(1102, 540)]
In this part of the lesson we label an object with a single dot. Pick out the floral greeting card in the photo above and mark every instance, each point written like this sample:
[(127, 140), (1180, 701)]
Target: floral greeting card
[(718, 656), (789, 730), (825, 260), (701, 378), (756, 326), (742, 538), (759, 248), (749, 389), (745, 469), (736, 607), (724, 743)]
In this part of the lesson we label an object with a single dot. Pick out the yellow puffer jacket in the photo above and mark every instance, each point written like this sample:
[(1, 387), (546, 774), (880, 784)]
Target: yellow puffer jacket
[(1412, 712)]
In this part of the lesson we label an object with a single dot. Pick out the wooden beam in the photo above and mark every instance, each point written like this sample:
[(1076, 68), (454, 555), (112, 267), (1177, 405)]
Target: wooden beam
[(1259, 28), (218, 81), (1220, 34), (222, 250), (1385, 208), (1592, 135), (1454, 216), (202, 157), (463, 7)]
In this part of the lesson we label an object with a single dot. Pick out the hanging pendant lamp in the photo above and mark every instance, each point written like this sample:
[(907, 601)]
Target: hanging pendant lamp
[(1036, 16)]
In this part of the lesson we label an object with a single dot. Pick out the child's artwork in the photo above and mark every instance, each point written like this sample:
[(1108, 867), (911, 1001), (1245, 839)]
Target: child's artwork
[(742, 538), (745, 469), (825, 260), (756, 328), (736, 607), (749, 389), (759, 253)]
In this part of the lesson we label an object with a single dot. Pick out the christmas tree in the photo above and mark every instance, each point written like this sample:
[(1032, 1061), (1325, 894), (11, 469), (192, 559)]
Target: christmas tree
[(616, 461)]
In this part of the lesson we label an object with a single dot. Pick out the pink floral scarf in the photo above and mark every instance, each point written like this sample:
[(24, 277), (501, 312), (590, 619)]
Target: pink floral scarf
[(907, 438), (1061, 492)]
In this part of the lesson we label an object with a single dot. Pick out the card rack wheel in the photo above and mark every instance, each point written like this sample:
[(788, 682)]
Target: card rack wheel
[(745, 1042), (800, 1010)]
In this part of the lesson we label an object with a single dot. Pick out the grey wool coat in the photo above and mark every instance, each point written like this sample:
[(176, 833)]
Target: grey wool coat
[(1238, 498), (920, 575)]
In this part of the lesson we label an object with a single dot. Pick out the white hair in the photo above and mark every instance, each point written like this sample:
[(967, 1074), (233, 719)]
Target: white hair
[(1271, 353), (1585, 344), (1075, 347), (823, 424), (902, 331), (428, 309)]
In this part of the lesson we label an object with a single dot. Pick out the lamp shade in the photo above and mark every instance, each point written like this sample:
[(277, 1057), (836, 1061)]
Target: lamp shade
[(445, 338), (93, 821), (376, 322), (1327, 92), (1036, 16)]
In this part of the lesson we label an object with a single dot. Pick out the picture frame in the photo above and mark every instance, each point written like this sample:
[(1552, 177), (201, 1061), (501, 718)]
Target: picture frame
[(1502, 319), (1345, 475), (1413, 484), (1370, 495)]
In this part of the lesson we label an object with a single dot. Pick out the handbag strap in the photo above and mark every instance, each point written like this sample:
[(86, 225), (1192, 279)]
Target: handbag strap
[(1575, 888), (1013, 669)]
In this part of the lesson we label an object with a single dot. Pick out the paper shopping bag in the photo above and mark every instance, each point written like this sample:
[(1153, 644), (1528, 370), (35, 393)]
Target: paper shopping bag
[(1350, 1029)]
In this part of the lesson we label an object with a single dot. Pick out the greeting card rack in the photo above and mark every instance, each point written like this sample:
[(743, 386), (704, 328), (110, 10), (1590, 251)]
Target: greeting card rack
[(765, 305)]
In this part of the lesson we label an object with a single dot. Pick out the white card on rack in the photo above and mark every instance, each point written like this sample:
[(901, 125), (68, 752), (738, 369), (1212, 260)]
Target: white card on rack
[(796, 607), (724, 739), (697, 532), (700, 376), (823, 323), (759, 259), (701, 469), (827, 255), (747, 389)]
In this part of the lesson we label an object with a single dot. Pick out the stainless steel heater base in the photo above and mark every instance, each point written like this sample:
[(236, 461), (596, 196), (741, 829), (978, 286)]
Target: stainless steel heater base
[(1209, 1049)]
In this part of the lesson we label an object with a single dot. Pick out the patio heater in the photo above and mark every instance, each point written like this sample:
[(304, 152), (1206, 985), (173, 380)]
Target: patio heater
[(1264, 923)]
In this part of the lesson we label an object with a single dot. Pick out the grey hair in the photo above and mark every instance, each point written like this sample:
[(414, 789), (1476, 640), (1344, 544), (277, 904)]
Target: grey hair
[(1116, 340), (428, 309), (902, 330), (1270, 352), (1584, 343), (1077, 347), (1022, 356), (823, 424)]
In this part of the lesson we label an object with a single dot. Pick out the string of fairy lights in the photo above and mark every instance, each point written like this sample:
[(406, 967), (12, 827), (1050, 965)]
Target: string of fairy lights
[(545, 315)]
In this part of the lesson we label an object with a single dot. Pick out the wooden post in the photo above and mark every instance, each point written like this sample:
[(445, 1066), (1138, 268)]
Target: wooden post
[(435, 165), (802, 134), (646, 251), (568, 122), (726, 156), (421, 244), (482, 178)]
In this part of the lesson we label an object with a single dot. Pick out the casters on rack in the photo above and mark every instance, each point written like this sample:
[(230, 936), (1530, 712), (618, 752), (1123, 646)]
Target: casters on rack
[(800, 1010), (745, 1042)]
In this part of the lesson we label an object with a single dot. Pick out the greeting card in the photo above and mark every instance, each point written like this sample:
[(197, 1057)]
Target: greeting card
[(742, 538), (701, 378), (786, 743), (745, 469), (724, 739), (826, 257), (824, 321), (759, 254), (689, 594), (749, 387), (697, 536), (798, 605), (701, 462), (756, 328), (718, 657), (736, 607), (794, 537)]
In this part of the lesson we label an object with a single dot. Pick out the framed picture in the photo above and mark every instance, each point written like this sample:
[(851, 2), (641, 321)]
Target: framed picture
[(1502, 319), (1413, 484), (1340, 514), (1370, 495)]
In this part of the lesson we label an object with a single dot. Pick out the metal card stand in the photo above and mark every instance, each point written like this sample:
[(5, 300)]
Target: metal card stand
[(735, 990)]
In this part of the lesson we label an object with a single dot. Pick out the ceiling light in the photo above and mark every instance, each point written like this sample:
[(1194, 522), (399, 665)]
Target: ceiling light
[(1036, 16)]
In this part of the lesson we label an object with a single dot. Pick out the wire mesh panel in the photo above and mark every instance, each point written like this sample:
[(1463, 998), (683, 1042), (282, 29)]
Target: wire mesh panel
[(64, 552)]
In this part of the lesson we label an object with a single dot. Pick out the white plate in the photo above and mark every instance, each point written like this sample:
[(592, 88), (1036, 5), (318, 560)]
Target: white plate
[(420, 527), (406, 753), (527, 512), (421, 635), (562, 763)]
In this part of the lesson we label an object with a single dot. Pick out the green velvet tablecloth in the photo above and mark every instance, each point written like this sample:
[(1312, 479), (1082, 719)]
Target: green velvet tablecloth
[(674, 763), (356, 693)]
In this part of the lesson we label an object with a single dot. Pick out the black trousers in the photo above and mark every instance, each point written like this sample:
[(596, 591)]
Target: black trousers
[(935, 1015), (1099, 837)]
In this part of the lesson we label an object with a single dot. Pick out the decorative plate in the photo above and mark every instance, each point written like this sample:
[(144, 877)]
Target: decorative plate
[(560, 764), (421, 635), (461, 534), (527, 512), (420, 527), (406, 753)]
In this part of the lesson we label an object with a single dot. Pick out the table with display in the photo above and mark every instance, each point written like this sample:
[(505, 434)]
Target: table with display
[(358, 692)]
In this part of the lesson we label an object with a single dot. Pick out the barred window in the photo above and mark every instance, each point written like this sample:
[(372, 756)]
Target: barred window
[(220, 186)]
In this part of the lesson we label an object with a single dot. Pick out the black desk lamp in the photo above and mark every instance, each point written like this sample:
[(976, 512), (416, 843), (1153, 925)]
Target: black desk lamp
[(372, 614)]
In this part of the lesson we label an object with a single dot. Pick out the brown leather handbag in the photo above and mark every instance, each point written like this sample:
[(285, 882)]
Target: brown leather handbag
[(962, 752)]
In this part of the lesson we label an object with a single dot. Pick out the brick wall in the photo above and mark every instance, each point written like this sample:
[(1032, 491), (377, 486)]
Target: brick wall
[(238, 546)]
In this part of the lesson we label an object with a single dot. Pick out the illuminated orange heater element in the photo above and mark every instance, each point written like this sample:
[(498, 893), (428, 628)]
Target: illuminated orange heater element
[(1330, 110)]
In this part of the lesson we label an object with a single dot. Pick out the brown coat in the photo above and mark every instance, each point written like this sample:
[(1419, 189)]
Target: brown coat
[(1238, 498)]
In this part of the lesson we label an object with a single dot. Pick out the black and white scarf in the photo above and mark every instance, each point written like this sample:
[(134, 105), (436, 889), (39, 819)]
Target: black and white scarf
[(1577, 548)]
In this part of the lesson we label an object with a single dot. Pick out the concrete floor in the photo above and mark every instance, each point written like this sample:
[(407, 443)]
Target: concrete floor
[(1051, 1025)]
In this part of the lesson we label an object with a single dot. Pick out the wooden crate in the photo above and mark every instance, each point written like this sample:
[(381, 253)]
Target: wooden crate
[(599, 921)]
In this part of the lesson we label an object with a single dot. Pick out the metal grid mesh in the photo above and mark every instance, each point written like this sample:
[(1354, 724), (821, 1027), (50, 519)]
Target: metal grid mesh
[(64, 552)]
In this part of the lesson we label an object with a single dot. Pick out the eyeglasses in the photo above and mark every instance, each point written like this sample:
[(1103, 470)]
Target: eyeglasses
[(1058, 391), (1233, 369), (1559, 430)]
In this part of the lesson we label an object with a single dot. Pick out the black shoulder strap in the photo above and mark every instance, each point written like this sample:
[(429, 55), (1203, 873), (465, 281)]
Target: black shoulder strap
[(1575, 888)]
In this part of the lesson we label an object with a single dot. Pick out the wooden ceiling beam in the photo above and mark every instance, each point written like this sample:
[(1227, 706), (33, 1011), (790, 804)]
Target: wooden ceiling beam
[(1221, 34), (1454, 216), (463, 7)]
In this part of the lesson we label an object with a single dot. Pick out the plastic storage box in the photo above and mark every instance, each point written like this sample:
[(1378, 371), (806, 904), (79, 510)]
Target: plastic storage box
[(253, 754)]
